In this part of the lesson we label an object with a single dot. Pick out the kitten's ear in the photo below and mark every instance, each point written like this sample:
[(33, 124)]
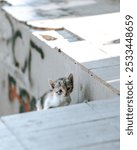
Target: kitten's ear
[(51, 84), (70, 78)]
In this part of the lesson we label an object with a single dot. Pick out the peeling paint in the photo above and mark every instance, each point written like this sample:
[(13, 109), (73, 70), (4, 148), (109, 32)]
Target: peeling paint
[(49, 38)]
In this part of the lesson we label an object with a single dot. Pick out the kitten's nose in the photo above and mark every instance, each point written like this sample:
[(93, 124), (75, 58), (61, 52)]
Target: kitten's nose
[(59, 92)]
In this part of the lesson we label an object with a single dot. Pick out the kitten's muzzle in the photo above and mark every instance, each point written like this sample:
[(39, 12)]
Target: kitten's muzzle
[(59, 92)]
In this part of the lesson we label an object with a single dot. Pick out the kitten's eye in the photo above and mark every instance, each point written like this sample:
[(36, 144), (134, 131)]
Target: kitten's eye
[(68, 88), (60, 91)]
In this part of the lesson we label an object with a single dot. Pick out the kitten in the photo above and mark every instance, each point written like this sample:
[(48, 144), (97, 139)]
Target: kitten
[(59, 95)]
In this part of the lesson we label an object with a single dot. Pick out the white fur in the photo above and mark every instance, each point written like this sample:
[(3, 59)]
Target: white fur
[(56, 100)]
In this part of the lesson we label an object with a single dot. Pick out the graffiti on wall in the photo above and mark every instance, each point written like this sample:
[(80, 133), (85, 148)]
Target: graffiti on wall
[(28, 60), (27, 102), (25, 99)]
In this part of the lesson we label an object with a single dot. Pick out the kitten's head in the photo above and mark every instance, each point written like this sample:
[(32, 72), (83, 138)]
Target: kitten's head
[(62, 86)]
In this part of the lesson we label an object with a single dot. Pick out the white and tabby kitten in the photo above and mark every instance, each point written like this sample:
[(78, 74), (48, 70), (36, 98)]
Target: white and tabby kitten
[(59, 95)]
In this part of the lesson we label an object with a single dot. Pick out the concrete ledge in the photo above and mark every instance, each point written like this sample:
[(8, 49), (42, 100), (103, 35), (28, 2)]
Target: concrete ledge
[(88, 126)]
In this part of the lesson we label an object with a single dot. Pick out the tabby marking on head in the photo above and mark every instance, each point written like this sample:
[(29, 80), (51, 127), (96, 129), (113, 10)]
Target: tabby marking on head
[(59, 95)]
